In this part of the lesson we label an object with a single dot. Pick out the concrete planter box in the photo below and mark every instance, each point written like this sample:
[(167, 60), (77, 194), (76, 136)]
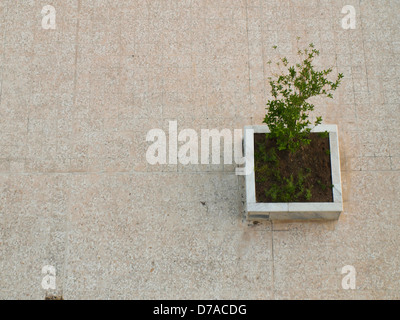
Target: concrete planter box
[(292, 210)]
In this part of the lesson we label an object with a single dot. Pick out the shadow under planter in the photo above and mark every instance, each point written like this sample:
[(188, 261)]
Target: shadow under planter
[(293, 210)]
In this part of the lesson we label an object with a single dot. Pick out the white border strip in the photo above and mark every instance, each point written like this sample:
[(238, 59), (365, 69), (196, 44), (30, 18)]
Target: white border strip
[(294, 211)]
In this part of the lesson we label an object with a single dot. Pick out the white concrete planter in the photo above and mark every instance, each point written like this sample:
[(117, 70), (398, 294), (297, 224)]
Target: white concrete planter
[(293, 211)]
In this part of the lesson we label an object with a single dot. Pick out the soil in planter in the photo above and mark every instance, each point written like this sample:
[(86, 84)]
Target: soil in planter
[(301, 177)]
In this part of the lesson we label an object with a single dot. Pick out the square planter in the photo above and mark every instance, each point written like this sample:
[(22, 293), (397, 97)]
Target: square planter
[(293, 210)]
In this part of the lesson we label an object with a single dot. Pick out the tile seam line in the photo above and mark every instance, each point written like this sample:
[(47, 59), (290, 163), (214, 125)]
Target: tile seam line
[(36, 173), (67, 222), (262, 49), (5, 13), (265, 94), (368, 85), (273, 260), (248, 56), (365, 60)]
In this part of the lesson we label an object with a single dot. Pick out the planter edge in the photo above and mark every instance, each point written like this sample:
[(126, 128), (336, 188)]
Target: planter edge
[(293, 211)]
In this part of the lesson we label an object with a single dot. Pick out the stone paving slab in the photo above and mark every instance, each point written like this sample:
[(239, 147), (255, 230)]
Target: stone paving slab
[(77, 193)]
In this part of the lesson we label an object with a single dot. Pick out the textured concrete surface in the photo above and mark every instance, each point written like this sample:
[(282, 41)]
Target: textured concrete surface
[(77, 193)]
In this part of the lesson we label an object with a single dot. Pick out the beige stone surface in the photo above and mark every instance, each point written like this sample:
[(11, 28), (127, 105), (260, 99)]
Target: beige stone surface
[(77, 193)]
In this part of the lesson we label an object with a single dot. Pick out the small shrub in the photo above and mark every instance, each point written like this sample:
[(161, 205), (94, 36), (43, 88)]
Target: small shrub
[(288, 112)]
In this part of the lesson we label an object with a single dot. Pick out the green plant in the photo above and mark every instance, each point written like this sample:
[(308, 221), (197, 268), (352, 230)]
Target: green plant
[(288, 189), (322, 185), (324, 134), (308, 195), (287, 115), (264, 155)]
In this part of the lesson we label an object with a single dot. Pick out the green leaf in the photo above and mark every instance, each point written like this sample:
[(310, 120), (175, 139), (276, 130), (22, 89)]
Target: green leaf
[(288, 112)]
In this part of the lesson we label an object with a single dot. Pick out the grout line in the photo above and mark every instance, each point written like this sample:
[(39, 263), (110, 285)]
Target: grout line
[(273, 260), (248, 56), (83, 173), (365, 60), (263, 55), (68, 214), (4, 50)]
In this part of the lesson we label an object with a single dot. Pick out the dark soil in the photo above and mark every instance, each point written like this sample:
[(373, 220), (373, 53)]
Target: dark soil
[(314, 159), (50, 297)]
